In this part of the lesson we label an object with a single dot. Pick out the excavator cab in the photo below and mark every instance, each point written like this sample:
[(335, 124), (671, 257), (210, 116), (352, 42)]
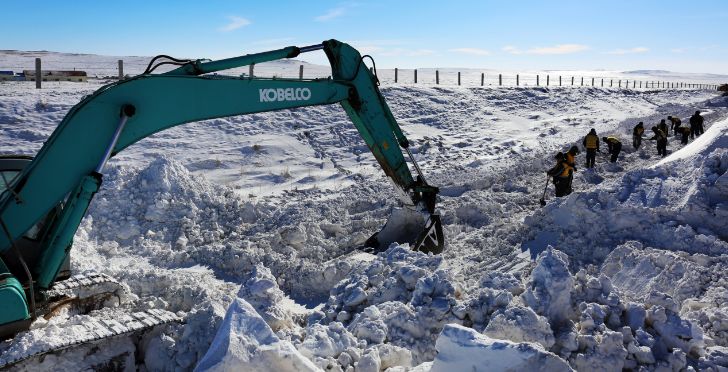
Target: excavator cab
[(30, 244)]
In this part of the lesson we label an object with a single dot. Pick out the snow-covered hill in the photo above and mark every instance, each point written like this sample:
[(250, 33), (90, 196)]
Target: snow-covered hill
[(248, 228)]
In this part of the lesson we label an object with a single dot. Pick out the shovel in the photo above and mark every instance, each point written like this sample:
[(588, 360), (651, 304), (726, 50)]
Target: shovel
[(542, 201)]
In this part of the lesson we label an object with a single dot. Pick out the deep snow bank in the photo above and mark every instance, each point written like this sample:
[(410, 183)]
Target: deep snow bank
[(404, 311)]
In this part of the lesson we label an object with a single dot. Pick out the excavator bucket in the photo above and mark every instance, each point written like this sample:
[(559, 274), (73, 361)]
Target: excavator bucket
[(423, 232)]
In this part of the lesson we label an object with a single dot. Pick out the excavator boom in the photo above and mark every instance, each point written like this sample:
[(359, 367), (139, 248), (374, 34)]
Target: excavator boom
[(69, 166)]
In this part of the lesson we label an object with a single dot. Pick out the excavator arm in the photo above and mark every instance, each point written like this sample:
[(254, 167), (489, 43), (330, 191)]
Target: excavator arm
[(68, 167)]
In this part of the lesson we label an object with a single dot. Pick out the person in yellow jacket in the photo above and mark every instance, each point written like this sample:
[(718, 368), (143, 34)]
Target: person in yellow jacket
[(661, 139), (675, 124), (591, 144), (614, 145), (562, 174)]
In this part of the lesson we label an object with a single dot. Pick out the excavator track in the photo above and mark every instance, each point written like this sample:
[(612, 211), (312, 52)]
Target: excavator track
[(84, 294), (91, 331), (77, 281)]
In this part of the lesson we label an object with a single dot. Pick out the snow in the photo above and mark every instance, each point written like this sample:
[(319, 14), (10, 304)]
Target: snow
[(247, 228), (245, 342), (463, 349)]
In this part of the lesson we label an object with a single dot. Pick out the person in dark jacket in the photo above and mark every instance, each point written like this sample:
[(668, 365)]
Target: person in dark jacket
[(685, 132), (562, 174), (614, 145), (661, 139), (663, 127), (675, 124), (637, 135), (591, 144), (696, 125)]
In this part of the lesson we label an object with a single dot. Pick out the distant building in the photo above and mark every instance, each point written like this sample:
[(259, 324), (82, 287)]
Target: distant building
[(54, 75)]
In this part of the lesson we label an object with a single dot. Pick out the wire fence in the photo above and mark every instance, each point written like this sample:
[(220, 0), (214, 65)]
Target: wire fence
[(106, 68)]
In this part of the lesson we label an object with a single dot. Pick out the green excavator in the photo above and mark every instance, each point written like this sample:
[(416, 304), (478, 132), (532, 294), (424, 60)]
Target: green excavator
[(44, 199)]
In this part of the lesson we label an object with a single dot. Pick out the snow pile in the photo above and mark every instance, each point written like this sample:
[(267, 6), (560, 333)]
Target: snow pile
[(679, 204), (595, 329), (398, 314), (400, 298), (695, 283), (244, 342), (464, 349)]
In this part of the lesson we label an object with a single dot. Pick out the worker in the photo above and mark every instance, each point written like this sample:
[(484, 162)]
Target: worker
[(685, 132), (562, 175), (675, 124), (661, 139), (591, 143), (637, 135), (614, 145), (696, 125), (663, 127)]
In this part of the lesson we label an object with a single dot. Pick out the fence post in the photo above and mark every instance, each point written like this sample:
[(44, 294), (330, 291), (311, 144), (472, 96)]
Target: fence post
[(592, 81), (602, 82), (300, 72), (537, 80), (250, 70), (516, 79), (482, 79), (415, 76), (547, 80), (500, 79), (582, 81), (437, 77), (121, 69), (634, 84), (611, 83), (640, 85), (559, 80), (572, 81), (458, 77), (37, 73), (396, 71)]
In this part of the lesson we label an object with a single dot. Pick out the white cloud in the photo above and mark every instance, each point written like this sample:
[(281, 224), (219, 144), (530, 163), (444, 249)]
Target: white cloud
[(234, 24), (628, 51), (331, 14), (678, 50), (557, 49), (419, 52), (472, 51), (511, 49)]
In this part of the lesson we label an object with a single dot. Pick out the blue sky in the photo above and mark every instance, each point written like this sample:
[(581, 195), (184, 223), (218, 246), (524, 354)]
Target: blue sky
[(686, 36)]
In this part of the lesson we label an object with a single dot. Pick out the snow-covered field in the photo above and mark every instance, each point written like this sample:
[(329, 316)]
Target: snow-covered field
[(247, 227)]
